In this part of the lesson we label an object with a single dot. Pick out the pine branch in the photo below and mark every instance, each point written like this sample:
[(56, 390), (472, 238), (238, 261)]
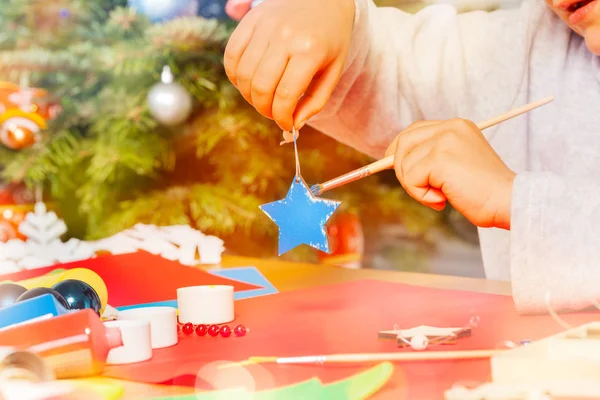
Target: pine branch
[(54, 161), (188, 34), (223, 211), (125, 24), (213, 209), (41, 60), (240, 124), (52, 24)]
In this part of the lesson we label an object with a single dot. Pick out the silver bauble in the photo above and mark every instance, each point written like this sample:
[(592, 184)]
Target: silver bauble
[(168, 101)]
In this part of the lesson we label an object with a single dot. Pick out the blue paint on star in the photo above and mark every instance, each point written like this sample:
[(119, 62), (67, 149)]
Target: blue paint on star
[(301, 218)]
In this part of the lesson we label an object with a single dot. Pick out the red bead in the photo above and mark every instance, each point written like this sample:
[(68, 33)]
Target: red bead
[(239, 330), (201, 330), (213, 330), (187, 329), (225, 331)]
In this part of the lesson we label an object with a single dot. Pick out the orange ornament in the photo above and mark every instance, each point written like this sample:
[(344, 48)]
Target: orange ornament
[(10, 219), (24, 113), (346, 241), (17, 137), (7, 231)]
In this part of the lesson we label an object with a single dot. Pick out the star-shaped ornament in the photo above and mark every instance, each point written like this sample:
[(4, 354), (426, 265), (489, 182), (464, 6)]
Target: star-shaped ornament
[(301, 217), (433, 334)]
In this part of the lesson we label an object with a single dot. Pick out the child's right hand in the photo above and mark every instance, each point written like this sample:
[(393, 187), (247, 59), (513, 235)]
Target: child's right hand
[(286, 56)]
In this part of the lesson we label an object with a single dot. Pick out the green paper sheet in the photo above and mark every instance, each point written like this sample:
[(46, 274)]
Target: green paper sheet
[(356, 387), (360, 386)]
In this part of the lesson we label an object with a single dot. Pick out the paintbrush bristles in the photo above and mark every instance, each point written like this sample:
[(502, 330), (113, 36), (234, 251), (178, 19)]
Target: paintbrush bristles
[(316, 189)]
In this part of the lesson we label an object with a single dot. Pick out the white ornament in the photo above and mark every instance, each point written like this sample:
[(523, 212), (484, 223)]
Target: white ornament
[(41, 226), (421, 337), (169, 102), (177, 243), (8, 267), (13, 249), (44, 248)]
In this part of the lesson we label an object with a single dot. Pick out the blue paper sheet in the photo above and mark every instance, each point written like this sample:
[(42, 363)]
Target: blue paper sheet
[(248, 275)]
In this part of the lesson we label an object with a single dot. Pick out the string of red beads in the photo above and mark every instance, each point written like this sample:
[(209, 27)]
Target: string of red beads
[(212, 330)]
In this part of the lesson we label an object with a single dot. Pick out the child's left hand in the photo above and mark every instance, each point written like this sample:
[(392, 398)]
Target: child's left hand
[(439, 161)]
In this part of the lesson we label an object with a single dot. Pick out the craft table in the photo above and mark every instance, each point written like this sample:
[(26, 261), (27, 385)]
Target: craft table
[(287, 276)]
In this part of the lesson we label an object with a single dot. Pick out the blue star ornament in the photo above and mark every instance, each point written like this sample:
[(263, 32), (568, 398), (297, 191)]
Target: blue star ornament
[(301, 218)]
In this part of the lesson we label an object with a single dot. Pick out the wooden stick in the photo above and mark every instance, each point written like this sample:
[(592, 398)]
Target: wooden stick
[(388, 162), (377, 357)]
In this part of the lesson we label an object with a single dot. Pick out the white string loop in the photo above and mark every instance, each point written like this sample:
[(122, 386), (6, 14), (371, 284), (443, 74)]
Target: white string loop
[(295, 134)]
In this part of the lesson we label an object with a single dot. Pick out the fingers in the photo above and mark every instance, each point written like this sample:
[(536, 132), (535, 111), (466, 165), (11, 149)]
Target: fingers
[(409, 139), (414, 126), (296, 79), (316, 96), (266, 78), (418, 173), (238, 41), (248, 64)]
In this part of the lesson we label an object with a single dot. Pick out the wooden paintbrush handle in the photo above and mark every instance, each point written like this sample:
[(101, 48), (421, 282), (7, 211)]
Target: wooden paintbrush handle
[(381, 165), (411, 356), (388, 162)]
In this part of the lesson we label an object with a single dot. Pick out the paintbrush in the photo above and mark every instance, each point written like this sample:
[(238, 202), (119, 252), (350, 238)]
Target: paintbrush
[(371, 357), (388, 162)]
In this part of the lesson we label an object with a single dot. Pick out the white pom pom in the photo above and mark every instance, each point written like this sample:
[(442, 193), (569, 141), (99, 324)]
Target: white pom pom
[(419, 342)]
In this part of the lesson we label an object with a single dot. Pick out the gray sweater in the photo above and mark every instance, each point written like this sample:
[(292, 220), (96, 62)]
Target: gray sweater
[(439, 65)]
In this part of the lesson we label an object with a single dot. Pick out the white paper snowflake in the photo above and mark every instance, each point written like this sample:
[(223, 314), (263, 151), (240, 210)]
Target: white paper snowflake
[(44, 247), (177, 243)]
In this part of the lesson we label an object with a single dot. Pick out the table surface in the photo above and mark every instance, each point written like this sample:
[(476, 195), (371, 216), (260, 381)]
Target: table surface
[(287, 276)]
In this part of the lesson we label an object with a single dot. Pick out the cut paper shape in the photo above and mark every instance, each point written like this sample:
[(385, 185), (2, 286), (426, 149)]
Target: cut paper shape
[(362, 385), (177, 243), (249, 275), (356, 387), (44, 248), (301, 217), (139, 278)]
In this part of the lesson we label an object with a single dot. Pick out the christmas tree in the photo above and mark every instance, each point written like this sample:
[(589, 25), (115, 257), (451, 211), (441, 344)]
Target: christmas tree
[(124, 116)]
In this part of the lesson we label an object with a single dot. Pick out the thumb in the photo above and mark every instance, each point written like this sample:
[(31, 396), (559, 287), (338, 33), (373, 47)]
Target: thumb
[(415, 125), (391, 149)]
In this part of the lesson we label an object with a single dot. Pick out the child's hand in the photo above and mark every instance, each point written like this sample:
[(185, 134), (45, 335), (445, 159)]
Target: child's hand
[(286, 49), (451, 160)]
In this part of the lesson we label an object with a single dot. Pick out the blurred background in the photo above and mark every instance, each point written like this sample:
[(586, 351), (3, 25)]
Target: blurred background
[(117, 112)]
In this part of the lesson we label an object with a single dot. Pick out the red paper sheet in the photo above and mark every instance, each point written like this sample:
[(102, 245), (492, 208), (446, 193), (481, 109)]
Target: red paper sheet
[(139, 278), (345, 318)]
